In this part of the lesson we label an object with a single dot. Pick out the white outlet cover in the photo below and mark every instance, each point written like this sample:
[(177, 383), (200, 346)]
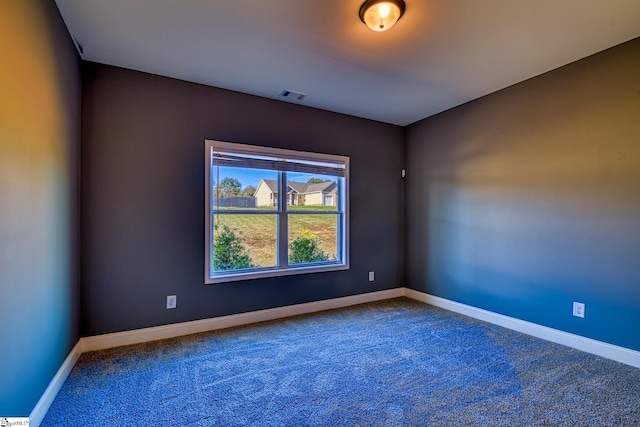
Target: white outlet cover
[(371, 276), (172, 301), (578, 309)]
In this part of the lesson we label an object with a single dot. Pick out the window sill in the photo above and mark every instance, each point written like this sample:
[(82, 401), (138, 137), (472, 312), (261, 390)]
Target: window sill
[(236, 276)]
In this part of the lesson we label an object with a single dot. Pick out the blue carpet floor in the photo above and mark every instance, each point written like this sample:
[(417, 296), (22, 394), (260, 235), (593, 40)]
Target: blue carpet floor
[(391, 363)]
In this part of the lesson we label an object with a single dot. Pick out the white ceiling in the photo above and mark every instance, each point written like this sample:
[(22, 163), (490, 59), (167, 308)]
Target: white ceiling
[(442, 53)]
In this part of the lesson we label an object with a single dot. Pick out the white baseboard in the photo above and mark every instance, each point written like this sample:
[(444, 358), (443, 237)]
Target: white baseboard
[(101, 342), (599, 348), (41, 408)]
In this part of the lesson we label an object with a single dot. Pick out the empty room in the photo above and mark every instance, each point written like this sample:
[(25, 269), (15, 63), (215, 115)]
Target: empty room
[(341, 212)]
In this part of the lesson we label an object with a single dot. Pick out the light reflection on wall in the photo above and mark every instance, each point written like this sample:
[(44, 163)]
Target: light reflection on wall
[(528, 199), (38, 137)]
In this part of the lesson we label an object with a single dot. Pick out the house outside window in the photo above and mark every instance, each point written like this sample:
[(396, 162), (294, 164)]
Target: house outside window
[(298, 193), (252, 232)]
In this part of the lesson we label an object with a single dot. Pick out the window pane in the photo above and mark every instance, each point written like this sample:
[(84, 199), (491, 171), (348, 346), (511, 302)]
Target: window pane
[(243, 188), (312, 192), (312, 238), (244, 241)]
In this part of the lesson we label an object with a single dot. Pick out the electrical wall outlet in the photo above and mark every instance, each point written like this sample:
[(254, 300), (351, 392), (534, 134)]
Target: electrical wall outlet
[(578, 309), (371, 276), (172, 301)]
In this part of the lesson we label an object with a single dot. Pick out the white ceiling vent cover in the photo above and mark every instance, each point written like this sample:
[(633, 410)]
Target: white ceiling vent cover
[(293, 95)]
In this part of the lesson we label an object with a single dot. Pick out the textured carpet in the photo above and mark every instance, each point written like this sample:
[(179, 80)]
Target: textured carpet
[(390, 363)]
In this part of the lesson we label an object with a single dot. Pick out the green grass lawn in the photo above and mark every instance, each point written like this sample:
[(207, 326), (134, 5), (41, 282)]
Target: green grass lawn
[(259, 232)]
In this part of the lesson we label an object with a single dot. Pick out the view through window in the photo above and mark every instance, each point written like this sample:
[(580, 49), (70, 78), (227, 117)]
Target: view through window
[(273, 212)]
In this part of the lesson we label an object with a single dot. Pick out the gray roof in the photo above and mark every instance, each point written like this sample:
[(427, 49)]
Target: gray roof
[(272, 184), (324, 187), (303, 187)]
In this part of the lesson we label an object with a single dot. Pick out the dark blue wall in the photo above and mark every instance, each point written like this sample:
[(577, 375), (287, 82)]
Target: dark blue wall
[(40, 89), (143, 198), (528, 199)]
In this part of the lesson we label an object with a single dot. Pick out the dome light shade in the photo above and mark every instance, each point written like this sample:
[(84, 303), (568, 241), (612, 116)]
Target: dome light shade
[(381, 15)]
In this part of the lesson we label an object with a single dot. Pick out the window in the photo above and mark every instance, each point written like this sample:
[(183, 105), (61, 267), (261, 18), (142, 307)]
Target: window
[(272, 212)]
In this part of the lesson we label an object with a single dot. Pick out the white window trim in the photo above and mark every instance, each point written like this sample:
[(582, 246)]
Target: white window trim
[(255, 273)]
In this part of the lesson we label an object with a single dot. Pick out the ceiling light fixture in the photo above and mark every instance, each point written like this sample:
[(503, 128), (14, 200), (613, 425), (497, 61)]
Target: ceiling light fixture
[(380, 15)]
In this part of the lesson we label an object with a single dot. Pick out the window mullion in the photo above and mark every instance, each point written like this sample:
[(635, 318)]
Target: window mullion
[(283, 221)]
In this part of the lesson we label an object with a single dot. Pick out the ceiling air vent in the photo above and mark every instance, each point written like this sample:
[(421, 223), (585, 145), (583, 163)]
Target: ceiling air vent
[(293, 95)]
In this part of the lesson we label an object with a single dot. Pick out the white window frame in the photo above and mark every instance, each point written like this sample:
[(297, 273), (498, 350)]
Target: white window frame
[(286, 158)]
